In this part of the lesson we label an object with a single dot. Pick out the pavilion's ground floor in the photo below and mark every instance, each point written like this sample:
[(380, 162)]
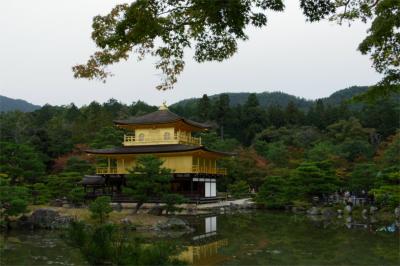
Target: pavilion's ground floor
[(194, 187)]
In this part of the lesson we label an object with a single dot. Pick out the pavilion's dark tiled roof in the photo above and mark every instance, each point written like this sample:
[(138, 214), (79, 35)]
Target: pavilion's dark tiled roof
[(92, 180), (144, 149), (159, 117)]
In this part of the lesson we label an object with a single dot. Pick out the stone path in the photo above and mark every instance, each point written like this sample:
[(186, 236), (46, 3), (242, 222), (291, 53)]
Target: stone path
[(224, 203)]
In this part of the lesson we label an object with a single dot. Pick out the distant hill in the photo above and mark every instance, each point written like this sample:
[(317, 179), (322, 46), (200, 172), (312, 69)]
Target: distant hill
[(267, 99), (8, 104), (345, 94)]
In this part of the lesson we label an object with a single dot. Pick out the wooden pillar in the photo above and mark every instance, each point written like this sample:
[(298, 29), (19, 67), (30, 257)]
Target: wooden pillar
[(191, 186), (109, 164)]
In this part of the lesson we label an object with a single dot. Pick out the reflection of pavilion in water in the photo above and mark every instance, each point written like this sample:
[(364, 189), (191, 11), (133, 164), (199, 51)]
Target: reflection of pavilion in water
[(204, 247)]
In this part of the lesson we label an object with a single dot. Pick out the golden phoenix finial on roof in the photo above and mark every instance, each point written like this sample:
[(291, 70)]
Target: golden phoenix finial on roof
[(163, 106)]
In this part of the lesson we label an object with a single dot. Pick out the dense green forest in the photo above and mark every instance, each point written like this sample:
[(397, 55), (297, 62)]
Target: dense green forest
[(289, 153), (267, 99)]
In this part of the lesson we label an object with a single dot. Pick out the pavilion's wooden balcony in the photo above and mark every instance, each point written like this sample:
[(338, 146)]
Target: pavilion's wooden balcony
[(208, 170), (109, 171), (196, 169), (177, 138)]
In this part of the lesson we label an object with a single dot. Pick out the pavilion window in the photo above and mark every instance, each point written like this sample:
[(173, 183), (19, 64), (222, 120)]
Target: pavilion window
[(167, 136), (141, 137)]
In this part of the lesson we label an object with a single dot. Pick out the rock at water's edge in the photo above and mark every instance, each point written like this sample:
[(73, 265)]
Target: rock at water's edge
[(313, 211), (173, 224), (372, 209), (327, 212), (156, 210), (348, 209), (397, 212), (44, 219)]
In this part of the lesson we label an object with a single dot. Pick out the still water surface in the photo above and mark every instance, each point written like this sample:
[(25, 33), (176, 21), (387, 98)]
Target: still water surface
[(256, 238)]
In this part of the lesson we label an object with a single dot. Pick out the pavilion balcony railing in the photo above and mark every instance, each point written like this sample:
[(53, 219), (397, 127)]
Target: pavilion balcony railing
[(208, 170), (176, 138), (106, 170), (195, 169)]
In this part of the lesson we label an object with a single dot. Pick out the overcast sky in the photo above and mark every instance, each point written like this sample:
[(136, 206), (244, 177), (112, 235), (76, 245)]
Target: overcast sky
[(41, 40)]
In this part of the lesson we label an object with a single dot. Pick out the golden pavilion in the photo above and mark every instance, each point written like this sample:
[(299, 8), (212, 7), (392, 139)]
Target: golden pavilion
[(170, 137)]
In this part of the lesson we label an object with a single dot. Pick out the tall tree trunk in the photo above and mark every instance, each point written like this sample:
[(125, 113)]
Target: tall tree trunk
[(222, 131), (138, 205)]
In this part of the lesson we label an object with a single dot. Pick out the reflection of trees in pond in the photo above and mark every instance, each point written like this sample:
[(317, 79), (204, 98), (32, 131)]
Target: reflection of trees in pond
[(236, 222), (38, 247), (381, 250), (257, 238), (282, 239), (109, 244)]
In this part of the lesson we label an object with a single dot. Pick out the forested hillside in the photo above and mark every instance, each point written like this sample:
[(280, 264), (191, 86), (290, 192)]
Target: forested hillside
[(285, 152), (267, 99), (342, 95), (8, 104)]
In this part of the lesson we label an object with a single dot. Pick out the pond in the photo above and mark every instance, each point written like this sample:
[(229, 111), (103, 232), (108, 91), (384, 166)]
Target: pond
[(253, 238)]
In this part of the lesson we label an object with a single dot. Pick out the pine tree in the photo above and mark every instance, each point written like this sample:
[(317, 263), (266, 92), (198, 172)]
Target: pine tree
[(204, 108), (293, 115), (221, 112), (276, 116), (319, 119), (254, 118), (148, 179)]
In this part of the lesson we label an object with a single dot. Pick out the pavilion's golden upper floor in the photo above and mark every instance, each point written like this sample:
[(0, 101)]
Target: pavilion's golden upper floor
[(159, 128), (159, 136)]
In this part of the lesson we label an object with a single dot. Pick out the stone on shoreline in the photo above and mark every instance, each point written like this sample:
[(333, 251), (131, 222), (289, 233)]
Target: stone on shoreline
[(298, 209), (56, 203), (125, 221), (328, 212), (348, 209), (156, 210), (372, 209), (313, 211), (173, 224), (233, 206), (44, 219), (397, 212)]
